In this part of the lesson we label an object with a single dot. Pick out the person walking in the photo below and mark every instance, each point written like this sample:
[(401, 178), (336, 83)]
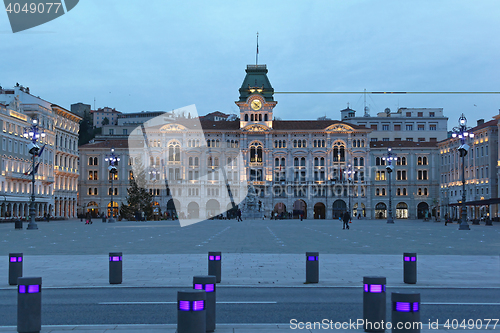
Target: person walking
[(346, 218), (239, 216), (446, 219)]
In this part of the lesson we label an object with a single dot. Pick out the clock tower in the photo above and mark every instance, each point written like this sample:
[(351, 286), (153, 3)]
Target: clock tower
[(256, 101)]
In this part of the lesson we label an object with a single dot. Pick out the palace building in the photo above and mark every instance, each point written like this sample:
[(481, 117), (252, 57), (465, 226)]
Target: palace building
[(310, 168)]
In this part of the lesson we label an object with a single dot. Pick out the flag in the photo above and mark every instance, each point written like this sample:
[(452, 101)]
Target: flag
[(36, 168), (41, 150)]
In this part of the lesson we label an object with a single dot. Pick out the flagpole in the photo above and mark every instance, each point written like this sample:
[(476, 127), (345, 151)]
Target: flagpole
[(257, 54)]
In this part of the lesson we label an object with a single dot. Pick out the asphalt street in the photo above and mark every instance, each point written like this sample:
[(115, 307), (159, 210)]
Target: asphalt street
[(244, 305)]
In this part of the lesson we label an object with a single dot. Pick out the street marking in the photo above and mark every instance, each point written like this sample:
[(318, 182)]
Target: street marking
[(136, 303), (432, 303)]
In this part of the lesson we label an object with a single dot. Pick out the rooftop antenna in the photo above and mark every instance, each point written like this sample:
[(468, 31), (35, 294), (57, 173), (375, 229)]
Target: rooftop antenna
[(94, 103), (257, 54)]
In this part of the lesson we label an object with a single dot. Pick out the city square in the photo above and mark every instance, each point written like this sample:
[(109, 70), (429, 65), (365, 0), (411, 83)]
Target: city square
[(253, 167)]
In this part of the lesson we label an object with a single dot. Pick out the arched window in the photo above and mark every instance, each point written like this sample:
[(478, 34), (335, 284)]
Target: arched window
[(398, 192), (419, 160), (425, 190), (404, 190), (419, 191), (246, 117), (96, 161), (355, 161), (174, 151), (190, 161), (265, 117), (303, 162), (377, 192), (196, 161), (383, 191), (361, 161), (339, 152), (260, 116), (316, 161), (322, 161), (251, 117), (377, 161), (91, 161), (256, 152), (424, 160)]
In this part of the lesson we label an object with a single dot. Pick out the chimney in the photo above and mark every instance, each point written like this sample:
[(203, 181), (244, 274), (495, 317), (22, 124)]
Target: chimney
[(480, 122)]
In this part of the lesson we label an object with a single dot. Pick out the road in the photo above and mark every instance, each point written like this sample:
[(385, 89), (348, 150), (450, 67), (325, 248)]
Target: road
[(243, 305)]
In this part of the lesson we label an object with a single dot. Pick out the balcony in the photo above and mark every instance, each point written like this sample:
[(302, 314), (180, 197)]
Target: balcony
[(16, 175)]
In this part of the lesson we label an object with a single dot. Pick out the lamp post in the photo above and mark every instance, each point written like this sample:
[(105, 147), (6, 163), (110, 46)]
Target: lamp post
[(113, 162), (389, 157), (349, 172), (152, 177), (33, 133), (463, 133)]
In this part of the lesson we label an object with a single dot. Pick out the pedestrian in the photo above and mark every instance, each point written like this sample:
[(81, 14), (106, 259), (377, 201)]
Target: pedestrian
[(239, 216), (48, 218), (347, 218), (446, 219), (301, 216)]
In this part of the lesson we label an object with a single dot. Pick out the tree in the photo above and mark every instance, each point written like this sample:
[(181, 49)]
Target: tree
[(138, 200), (324, 118), (105, 121)]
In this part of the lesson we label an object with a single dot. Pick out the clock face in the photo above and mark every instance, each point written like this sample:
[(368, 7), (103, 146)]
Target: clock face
[(256, 104)]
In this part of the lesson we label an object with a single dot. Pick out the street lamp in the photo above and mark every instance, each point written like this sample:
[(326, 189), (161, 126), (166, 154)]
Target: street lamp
[(113, 162), (152, 177), (463, 132), (33, 133), (389, 157), (349, 172)]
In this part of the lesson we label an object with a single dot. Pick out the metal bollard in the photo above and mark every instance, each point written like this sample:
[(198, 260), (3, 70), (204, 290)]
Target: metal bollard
[(29, 304), (208, 284), (312, 267), (214, 265), (115, 267), (405, 313), (374, 309), (15, 267), (410, 268), (191, 313)]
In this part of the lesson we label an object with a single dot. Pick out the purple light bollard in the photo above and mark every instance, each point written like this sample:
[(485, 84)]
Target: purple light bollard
[(410, 268), (15, 267), (406, 311), (191, 313), (214, 265), (29, 304), (312, 267), (208, 284), (115, 267), (374, 298)]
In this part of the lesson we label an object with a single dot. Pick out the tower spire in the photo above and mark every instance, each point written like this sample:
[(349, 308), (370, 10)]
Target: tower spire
[(257, 54)]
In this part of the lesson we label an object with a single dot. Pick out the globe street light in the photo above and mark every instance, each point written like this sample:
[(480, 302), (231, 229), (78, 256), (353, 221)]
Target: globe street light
[(113, 162), (463, 133), (152, 177), (349, 173), (389, 157), (33, 133)]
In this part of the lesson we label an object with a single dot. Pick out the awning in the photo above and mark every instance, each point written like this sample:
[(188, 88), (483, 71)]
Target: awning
[(484, 202)]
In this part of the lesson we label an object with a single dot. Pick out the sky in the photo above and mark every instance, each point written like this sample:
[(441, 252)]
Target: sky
[(162, 55)]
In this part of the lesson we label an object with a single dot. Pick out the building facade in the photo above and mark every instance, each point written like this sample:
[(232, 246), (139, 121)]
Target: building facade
[(406, 124), (414, 181), (481, 178), (315, 169), (100, 114), (56, 186)]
